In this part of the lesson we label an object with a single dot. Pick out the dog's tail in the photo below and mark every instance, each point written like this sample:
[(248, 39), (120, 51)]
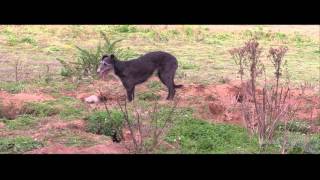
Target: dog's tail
[(178, 86)]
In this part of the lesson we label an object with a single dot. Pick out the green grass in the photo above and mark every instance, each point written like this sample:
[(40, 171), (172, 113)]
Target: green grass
[(296, 126), (189, 66), (18, 145), (23, 122), (99, 122), (79, 141), (196, 47), (202, 56), (148, 96), (125, 29), (155, 86), (197, 136), (70, 138), (13, 40), (54, 86), (12, 87), (298, 143), (66, 107)]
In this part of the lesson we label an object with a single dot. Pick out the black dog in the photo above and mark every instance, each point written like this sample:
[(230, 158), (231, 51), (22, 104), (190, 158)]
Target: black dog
[(138, 70)]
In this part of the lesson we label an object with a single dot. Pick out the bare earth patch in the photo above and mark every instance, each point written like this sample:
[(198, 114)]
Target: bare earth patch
[(77, 126), (21, 98), (12, 103)]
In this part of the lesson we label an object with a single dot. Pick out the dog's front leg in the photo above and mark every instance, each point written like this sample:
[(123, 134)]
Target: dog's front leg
[(130, 94), (133, 92)]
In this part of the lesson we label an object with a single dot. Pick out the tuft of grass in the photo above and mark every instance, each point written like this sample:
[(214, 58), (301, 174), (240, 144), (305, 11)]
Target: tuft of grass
[(100, 122), (125, 29), (18, 145), (70, 138), (126, 54), (54, 86), (79, 141), (89, 59), (42, 109), (295, 126), (185, 65), (298, 143), (189, 32), (28, 40), (154, 85), (313, 146), (23, 122), (65, 72), (197, 136), (52, 49), (281, 36), (148, 96), (12, 87), (65, 107), (13, 40)]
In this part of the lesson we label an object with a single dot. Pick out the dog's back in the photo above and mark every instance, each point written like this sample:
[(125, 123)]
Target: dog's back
[(154, 60)]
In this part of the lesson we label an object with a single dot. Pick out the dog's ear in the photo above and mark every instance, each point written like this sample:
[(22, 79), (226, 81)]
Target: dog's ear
[(104, 56), (113, 58)]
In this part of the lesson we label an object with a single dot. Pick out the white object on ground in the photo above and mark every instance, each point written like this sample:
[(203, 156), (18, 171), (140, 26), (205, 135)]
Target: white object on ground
[(92, 99)]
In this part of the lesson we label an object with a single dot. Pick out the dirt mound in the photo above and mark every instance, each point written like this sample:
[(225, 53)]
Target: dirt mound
[(50, 127), (220, 103), (76, 124), (22, 97), (217, 109), (12, 103)]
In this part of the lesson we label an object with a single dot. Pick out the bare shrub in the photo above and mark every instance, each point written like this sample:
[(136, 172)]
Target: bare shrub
[(146, 127), (263, 111), (17, 69)]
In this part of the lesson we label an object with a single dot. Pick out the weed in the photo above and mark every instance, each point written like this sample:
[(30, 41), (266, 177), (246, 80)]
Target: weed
[(125, 29), (65, 107), (89, 60), (154, 86), (197, 136), (100, 122), (148, 96), (18, 145), (295, 126), (23, 122), (12, 87)]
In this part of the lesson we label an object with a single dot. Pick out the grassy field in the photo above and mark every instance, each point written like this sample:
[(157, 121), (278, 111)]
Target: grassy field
[(196, 47), (202, 53)]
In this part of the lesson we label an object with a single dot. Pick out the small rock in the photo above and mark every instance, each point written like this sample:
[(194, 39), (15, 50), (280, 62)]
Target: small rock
[(92, 99)]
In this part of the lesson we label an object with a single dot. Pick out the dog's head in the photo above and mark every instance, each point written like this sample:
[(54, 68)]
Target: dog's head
[(106, 65)]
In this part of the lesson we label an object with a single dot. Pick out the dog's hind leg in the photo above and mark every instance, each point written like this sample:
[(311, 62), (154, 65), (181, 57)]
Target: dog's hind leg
[(130, 92), (133, 92), (167, 79)]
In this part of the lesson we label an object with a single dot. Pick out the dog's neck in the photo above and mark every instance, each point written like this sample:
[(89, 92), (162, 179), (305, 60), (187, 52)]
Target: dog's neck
[(118, 68)]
